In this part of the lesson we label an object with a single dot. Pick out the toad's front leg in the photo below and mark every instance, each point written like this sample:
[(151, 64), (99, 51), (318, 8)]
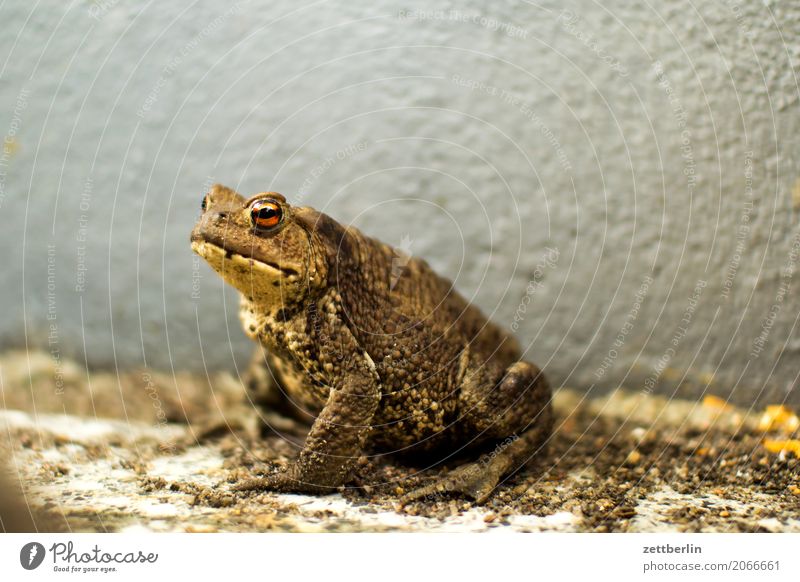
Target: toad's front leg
[(337, 436)]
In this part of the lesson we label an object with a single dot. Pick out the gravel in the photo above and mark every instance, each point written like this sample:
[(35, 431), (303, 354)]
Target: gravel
[(625, 461)]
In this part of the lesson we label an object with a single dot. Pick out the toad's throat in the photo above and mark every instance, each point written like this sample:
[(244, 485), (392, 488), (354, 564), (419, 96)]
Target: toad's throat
[(223, 261)]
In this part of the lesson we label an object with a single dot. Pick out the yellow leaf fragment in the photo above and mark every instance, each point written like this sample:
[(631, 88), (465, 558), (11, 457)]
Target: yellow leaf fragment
[(715, 402), (633, 457), (778, 417), (783, 446)]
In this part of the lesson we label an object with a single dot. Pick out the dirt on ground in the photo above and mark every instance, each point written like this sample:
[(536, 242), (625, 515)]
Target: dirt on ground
[(157, 452)]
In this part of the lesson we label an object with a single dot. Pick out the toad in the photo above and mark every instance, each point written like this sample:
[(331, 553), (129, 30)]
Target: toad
[(378, 358)]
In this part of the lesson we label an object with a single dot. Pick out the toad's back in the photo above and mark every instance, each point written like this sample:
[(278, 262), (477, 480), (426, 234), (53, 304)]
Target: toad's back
[(392, 293)]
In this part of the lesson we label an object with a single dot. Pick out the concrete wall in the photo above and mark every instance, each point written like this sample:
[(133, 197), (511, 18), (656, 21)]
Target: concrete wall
[(652, 148)]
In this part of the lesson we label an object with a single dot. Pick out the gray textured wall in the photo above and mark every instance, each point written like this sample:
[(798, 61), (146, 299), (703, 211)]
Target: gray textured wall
[(651, 147)]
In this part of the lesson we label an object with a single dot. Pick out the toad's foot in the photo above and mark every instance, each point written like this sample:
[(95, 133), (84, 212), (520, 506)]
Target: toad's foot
[(284, 481), (478, 480), (475, 480)]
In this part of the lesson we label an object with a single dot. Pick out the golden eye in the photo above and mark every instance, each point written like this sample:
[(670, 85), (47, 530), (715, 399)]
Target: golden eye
[(265, 214)]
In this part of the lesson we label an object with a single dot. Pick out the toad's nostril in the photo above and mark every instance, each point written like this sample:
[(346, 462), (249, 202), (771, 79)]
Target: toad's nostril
[(220, 216)]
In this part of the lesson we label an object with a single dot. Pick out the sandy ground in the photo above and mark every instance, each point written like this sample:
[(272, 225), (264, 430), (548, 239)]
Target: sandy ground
[(107, 452)]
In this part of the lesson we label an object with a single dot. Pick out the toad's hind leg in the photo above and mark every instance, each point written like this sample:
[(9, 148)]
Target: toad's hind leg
[(514, 413)]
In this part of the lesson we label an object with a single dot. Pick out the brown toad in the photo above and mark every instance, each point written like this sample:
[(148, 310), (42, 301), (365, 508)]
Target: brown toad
[(380, 358)]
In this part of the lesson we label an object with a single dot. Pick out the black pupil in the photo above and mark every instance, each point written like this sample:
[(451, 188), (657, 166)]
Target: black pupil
[(266, 213)]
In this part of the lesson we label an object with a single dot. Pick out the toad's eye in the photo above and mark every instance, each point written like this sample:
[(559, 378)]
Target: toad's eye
[(204, 203), (265, 214)]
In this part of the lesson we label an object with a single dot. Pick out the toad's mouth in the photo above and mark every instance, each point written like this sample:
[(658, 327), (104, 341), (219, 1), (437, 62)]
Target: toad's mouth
[(222, 260)]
